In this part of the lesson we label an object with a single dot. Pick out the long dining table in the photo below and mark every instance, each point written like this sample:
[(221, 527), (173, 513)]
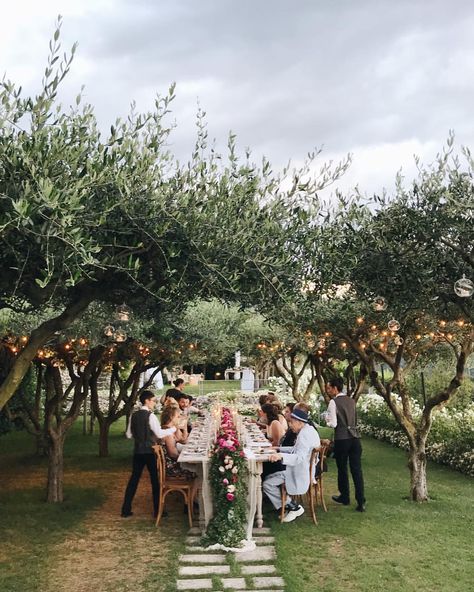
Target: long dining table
[(195, 456)]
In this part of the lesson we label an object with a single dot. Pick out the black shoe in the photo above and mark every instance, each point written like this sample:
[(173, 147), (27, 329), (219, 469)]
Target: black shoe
[(360, 508), (292, 507), (126, 514), (339, 500)]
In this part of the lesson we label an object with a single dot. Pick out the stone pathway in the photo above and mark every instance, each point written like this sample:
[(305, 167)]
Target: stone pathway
[(252, 571)]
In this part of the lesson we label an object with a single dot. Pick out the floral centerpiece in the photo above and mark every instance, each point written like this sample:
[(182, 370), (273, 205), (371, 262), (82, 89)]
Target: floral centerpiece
[(227, 477)]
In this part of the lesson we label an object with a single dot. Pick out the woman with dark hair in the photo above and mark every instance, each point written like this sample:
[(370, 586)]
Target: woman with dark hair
[(169, 418), (288, 439), (275, 431), (177, 391)]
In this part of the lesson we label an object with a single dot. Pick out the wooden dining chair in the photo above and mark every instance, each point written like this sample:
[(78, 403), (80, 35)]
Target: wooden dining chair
[(318, 482), (168, 484), (315, 485)]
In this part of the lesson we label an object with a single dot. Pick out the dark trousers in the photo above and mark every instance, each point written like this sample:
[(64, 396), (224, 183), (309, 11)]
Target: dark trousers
[(351, 450), (139, 463)]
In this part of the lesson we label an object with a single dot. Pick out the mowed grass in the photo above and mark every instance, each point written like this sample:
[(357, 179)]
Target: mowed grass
[(396, 545), (42, 546), (209, 386)]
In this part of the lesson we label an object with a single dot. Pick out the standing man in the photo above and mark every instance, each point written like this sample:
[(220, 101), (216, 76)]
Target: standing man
[(341, 415), (145, 429)]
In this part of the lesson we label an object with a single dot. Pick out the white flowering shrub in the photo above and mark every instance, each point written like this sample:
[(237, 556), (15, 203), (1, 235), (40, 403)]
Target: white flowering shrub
[(277, 385), (450, 441)]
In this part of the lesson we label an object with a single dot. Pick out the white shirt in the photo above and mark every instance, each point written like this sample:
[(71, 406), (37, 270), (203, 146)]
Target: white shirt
[(154, 426), (331, 417)]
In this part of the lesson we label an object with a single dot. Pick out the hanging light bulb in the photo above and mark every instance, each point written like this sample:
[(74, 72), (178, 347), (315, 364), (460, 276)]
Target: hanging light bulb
[(393, 325), (120, 336), (122, 313), (109, 330), (379, 304), (464, 288)]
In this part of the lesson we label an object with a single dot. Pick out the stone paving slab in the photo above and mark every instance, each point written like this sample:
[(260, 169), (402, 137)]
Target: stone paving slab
[(203, 570), (200, 584), (195, 530), (192, 540), (197, 558), (268, 581), (263, 530), (234, 583), (264, 540), (254, 570), (258, 554)]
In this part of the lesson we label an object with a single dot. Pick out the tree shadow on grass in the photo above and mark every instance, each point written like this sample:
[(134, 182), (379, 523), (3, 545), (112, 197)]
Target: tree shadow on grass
[(29, 528)]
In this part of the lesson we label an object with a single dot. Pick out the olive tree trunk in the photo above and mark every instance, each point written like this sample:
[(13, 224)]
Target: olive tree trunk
[(55, 469), (417, 466)]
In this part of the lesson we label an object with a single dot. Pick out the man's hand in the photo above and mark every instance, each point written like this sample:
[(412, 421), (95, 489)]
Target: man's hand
[(274, 457)]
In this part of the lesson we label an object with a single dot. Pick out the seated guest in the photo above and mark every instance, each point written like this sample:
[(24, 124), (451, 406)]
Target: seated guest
[(169, 418), (288, 440), (273, 399), (181, 431), (307, 408), (281, 416), (296, 459), (275, 431), (184, 404), (261, 422), (177, 391)]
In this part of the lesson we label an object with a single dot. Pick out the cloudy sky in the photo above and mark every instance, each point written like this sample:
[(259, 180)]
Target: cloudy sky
[(382, 80)]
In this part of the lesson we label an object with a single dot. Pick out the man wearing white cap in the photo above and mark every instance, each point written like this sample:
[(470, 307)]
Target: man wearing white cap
[(296, 459)]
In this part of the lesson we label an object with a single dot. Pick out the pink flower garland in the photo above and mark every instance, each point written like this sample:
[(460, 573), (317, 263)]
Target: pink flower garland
[(227, 443)]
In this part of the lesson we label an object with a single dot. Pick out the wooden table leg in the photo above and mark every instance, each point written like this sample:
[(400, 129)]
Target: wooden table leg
[(251, 496), (259, 470)]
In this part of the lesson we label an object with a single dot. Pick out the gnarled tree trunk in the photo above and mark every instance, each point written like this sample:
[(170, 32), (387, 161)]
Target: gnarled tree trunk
[(104, 428), (55, 468), (417, 466)]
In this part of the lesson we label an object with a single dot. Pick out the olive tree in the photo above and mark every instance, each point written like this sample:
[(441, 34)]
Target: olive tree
[(86, 217)]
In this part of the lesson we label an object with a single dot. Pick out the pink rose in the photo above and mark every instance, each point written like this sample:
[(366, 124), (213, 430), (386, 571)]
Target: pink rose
[(230, 497), (225, 481)]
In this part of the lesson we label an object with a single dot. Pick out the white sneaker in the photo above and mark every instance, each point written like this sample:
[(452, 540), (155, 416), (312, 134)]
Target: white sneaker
[(293, 514)]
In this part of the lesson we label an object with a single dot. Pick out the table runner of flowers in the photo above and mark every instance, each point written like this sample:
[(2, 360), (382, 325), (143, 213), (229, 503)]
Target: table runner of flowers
[(227, 474)]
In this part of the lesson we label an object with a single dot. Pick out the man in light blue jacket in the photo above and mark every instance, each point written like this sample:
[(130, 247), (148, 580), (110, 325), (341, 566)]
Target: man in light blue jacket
[(297, 460)]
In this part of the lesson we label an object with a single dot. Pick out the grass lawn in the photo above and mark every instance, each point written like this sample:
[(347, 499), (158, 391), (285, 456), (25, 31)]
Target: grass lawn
[(396, 545), (208, 386), (84, 545)]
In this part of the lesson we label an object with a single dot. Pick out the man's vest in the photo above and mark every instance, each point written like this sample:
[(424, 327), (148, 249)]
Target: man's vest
[(346, 418), (141, 432)]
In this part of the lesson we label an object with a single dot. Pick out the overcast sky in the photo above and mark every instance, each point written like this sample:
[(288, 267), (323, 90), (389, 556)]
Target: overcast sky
[(380, 79)]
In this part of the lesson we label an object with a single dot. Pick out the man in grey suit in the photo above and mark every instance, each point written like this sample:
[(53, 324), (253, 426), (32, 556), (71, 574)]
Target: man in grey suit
[(297, 460)]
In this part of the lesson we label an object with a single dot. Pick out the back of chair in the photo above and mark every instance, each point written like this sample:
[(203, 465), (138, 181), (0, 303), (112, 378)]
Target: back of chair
[(322, 461), (161, 463), (313, 463)]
